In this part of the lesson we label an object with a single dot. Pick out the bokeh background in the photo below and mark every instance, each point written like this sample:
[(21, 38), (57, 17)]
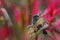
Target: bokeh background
[(21, 13)]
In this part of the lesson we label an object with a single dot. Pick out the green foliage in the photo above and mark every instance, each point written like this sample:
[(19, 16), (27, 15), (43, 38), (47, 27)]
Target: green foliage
[(15, 1), (43, 7), (58, 16)]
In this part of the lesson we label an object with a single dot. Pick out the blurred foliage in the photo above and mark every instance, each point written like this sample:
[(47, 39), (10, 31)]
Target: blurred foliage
[(15, 1), (26, 15)]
